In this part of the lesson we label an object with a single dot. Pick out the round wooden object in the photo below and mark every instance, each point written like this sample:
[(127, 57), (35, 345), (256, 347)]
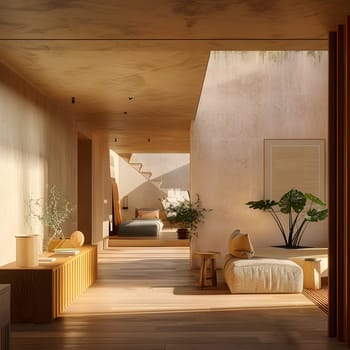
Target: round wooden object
[(77, 238)]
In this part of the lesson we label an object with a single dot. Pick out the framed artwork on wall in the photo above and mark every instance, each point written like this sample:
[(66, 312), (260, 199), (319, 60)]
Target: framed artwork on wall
[(297, 163)]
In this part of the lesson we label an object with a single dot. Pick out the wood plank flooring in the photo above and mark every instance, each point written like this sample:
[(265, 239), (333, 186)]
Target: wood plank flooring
[(148, 298), (319, 296)]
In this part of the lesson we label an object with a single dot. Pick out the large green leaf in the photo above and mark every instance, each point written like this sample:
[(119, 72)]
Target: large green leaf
[(262, 204), (314, 215), (293, 199), (314, 199)]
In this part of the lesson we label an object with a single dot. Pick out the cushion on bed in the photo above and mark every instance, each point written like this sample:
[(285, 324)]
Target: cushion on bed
[(240, 245), (147, 213)]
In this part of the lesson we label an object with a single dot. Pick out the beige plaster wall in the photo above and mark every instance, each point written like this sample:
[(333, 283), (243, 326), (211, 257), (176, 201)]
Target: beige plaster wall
[(248, 97), (37, 149)]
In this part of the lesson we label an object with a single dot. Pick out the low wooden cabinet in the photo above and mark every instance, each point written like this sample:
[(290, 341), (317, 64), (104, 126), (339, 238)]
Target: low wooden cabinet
[(5, 317), (41, 293)]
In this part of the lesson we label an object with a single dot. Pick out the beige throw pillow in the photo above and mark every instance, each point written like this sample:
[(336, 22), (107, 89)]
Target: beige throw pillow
[(240, 245), (148, 214)]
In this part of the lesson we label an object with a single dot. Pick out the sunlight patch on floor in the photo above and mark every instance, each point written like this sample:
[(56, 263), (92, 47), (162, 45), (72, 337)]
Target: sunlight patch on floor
[(143, 280)]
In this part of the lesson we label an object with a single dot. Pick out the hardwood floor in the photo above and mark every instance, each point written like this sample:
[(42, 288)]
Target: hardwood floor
[(148, 298)]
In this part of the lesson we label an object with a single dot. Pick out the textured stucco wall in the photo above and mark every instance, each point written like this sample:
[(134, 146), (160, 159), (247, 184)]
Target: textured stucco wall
[(248, 97), (37, 148)]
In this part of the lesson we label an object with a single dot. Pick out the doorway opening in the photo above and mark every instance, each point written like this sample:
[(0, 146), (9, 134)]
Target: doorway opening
[(143, 181)]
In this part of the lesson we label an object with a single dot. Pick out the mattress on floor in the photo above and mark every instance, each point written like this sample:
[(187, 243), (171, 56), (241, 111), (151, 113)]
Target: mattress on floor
[(140, 228)]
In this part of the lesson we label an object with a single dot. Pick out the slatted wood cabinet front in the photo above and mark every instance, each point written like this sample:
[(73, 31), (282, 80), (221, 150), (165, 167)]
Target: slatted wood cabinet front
[(4, 317), (41, 293)]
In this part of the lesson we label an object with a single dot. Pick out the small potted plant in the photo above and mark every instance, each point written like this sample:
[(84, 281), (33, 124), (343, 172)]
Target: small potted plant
[(300, 209), (187, 215), (52, 214)]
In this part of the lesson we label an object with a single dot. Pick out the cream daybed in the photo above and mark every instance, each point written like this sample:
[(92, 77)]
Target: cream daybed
[(247, 274)]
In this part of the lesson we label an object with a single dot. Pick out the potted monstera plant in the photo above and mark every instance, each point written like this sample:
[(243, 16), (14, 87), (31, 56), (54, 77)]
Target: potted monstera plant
[(301, 208), (187, 215)]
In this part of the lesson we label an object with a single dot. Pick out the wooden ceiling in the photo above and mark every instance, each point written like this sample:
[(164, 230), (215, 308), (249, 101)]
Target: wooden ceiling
[(136, 67)]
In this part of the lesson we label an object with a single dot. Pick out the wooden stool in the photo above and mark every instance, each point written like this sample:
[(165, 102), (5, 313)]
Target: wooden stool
[(207, 269)]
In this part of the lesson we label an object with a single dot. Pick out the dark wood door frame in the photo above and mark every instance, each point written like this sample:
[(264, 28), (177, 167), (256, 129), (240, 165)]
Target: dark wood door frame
[(339, 183)]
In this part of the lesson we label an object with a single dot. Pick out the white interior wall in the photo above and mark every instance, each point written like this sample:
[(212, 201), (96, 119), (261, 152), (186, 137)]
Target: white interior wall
[(248, 97), (171, 169), (114, 165)]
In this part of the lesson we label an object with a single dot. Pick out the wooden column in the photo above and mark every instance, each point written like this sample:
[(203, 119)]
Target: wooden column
[(346, 104), (340, 195), (339, 183), (332, 188)]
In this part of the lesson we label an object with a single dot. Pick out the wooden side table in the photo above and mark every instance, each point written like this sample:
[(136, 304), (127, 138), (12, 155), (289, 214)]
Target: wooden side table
[(312, 273), (208, 268), (41, 293)]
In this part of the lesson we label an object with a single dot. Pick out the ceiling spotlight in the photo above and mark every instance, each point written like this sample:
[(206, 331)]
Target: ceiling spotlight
[(115, 140), (73, 99), (149, 140), (125, 112), (130, 98)]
